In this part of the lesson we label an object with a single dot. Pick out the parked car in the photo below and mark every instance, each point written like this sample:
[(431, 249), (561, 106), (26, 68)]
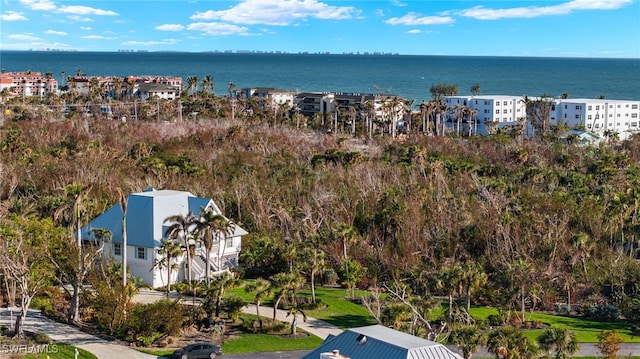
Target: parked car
[(198, 351)]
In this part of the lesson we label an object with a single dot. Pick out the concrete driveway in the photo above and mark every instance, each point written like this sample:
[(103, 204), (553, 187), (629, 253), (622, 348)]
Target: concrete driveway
[(60, 332)]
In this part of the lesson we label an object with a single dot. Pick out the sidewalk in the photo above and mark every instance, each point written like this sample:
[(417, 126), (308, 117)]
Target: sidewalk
[(103, 349)]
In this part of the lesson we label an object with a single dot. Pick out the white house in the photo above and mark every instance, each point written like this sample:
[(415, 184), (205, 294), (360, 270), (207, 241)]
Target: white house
[(146, 213), (379, 342), (490, 110), (600, 115)]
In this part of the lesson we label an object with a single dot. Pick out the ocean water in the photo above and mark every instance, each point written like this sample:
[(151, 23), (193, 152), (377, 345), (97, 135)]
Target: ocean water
[(407, 76)]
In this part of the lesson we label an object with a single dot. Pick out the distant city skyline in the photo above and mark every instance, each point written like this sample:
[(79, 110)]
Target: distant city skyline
[(575, 28)]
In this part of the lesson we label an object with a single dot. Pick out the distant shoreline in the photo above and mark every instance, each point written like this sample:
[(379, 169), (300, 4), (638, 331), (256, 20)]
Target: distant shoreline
[(280, 53)]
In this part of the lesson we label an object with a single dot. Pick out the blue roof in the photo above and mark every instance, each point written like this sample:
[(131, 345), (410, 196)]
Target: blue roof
[(146, 214), (381, 342)]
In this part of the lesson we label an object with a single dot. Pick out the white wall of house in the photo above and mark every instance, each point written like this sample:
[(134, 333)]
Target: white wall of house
[(600, 115)]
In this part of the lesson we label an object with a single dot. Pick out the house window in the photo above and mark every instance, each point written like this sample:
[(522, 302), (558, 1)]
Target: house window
[(634, 107), (589, 108), (141, 253), (117, 249), (504, 103), (578, 116), (577, 107), (229, 242), (497, 112)]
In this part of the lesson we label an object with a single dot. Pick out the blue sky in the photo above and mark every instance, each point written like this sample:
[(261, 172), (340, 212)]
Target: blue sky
[(570, 28)]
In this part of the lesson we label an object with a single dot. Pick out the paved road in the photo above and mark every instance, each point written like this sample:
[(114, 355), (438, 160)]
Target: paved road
[(101, 348)]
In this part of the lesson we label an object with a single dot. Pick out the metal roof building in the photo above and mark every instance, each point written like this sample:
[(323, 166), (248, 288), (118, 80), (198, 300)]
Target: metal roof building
[(380, 342)]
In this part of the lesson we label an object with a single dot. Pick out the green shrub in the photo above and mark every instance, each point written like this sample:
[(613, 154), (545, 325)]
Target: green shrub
[(42, 303), (42, 338), (495, 320), (233, 306), (147, 320), (148, 340), (602, 312)]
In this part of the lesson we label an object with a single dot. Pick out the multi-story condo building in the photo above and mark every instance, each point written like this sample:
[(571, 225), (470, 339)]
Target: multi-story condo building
[(600, 116), (489, 111), (28, 84)]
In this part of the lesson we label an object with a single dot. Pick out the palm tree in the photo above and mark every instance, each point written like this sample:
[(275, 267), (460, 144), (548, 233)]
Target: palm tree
[(469, 338), (448, 277), (510, 343), (314, 261), (207, 84), (181, 229), (294, 311), (169, 250), (192, 84), (286, 282), (475, 89), (561, 340), (218, 286), (521, 271), (208, 227), (347, 234), (473, 276), (261, 288)]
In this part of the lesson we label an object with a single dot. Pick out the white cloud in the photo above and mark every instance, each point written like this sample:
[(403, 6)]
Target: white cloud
[(398, 3), (151, 43), (277, 12), (413, 19), (218, 29), (53, 32), (45, 5), (483, 13), (98, 37), (85, 10), (12, 16), (24, 37), (86, 28), (414, 31), (79, 18), (170, 27)]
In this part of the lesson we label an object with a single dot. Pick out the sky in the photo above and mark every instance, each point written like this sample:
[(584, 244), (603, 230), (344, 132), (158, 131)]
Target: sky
[(546, 28)]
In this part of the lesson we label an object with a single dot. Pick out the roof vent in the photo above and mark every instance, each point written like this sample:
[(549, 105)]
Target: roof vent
[(361, 339)]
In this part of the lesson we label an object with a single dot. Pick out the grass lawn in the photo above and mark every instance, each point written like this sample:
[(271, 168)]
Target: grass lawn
[(254, 343), (586, 330), (339, 311), (61, 351)]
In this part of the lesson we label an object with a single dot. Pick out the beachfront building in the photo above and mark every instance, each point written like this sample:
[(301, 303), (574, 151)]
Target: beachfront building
[(603, 117), (147, 91), (347, 108), (268, 97), (146, 227), (113, 87), (22, 84), (489, 112)]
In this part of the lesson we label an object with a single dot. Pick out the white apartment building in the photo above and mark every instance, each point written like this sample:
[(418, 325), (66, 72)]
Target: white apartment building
[(600, 115), (491, 110), (28, 84)]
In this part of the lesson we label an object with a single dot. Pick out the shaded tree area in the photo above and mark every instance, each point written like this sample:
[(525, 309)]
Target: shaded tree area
[(544, 223)]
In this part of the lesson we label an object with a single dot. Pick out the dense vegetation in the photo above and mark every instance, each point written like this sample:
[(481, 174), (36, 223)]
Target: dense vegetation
[(524, 224)]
